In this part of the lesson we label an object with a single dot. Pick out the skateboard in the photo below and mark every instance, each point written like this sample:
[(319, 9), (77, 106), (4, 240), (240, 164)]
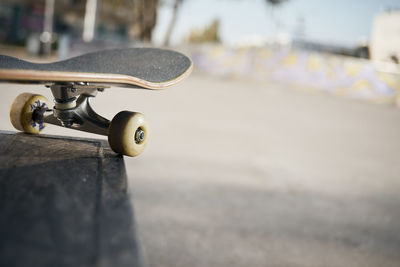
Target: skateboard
[(75, 81)]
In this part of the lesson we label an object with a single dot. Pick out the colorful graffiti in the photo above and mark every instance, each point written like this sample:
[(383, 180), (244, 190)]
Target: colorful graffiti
[(339, 75)]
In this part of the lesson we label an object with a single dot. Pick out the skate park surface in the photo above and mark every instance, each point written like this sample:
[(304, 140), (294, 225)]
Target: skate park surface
[(250, 173)]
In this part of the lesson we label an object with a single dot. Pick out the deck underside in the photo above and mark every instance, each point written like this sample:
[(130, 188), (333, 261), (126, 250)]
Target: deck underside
[(120, 80)]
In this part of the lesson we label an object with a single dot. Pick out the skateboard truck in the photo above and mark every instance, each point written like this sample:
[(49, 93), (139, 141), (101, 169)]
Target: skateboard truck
[(72, 108), (127, 132)]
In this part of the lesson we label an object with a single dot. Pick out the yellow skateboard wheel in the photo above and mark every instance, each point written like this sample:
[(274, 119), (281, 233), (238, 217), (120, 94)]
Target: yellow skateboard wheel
[(22, 110), (128, 133)]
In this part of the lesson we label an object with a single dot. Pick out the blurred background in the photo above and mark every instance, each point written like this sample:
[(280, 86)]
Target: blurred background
[(281, 149), (348, 49)]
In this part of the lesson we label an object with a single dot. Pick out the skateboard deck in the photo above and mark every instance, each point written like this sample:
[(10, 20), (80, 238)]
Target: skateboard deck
[(149, 68), (74, 82)]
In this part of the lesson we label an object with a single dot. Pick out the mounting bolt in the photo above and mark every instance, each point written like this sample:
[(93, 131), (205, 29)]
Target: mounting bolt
[(73, 89), (139, 135)]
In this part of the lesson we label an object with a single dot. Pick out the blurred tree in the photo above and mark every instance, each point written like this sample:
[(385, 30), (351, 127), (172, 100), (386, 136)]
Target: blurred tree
[(140, 16), (209, 35), (275, 2), (171, 26), (175, 12), (145, 19)]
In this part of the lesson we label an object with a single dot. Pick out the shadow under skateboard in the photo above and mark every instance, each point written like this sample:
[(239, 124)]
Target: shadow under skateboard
[(64, 202)]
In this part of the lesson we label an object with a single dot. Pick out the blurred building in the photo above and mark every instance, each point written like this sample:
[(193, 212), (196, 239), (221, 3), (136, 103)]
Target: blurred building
[(116, 20), (385, 37)]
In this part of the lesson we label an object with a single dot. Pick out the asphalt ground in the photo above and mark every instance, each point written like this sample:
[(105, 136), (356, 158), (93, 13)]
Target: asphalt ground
[(247, 173)]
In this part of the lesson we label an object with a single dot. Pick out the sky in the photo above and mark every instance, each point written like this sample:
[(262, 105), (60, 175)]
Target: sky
[(339, 22)]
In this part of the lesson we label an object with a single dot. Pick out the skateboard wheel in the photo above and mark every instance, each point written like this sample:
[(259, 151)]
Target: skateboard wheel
[(128, 133), (22, 110)]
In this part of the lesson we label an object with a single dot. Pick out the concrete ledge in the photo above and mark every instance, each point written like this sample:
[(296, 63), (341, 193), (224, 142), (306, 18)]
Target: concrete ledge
[(64, 202)]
